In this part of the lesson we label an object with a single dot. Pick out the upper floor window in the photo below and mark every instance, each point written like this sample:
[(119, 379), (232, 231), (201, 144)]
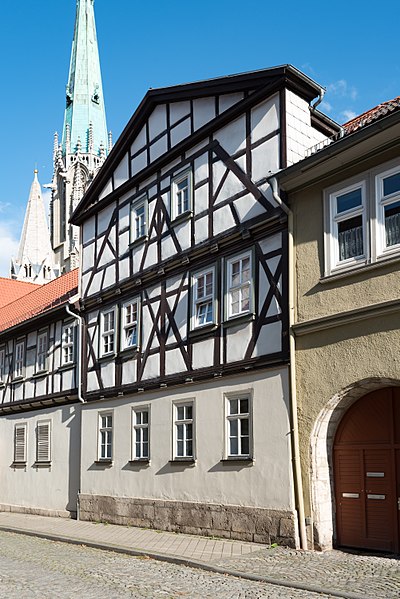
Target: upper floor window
[(388, 211), (67, 348), (105, 436), (139, 211), (203, 308), (348, 226), (2, 364), (41, 352), (107, 340), (130, 324), (239, 285), (363, 219), (19, 359), (181, 194)]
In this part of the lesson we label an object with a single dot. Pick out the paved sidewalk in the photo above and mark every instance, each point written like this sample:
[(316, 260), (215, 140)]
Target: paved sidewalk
[(333, 573)]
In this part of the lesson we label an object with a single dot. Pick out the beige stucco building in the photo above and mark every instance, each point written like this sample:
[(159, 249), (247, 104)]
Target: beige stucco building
[(345, 200)]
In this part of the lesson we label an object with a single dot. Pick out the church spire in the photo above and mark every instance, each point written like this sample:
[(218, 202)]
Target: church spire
[(35, 260), (84, 96)]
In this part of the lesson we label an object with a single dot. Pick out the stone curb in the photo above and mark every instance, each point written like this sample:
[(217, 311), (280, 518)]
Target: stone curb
[(182, 561)]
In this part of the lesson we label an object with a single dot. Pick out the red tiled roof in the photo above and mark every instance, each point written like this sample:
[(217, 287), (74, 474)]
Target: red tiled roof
[(11, 290), (374, 114), (39, 300)]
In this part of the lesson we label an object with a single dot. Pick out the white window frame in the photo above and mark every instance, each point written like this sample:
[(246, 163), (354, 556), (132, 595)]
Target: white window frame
[(68, 344), (2, 365), (382, 250), (229, 417), (205, 299), (19, 359), (106, 455), (184, 422), (176, 211), (108, 337), (125, 326), (136, 234), (18, 445), (42, 351), (43, 445), (139, 427), (230, 289)]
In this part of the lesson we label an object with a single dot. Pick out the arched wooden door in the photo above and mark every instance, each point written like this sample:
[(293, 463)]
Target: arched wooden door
[(367, 473)]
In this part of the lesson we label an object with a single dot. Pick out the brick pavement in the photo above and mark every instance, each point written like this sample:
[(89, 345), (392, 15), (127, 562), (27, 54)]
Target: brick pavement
[(341, 574)]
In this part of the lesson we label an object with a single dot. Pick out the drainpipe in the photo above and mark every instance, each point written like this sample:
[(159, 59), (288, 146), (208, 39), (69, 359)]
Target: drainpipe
[(319, 99), (78, 319), (292, 349)]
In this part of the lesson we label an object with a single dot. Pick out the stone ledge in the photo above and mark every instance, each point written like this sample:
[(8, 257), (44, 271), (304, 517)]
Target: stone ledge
[(37, 511), (242, 523)]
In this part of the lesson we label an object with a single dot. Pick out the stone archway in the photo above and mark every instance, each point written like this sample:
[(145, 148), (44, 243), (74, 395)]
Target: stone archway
[(322, 438)]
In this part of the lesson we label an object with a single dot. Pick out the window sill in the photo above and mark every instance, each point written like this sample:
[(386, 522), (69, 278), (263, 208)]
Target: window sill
[(247, 459), (204, 330), (359, 268), (2, 385), (235, 320), (180, 461), (42, 464), (21, 465), (40, 375), (144, 461), (139, 241), (104, 462), (66, 367), (181, 218), (107, 357), (134, 350), (18, 379)]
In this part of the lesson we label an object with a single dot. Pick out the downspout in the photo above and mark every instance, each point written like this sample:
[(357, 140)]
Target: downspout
[(292, 376), (319, 99), (78, 319)]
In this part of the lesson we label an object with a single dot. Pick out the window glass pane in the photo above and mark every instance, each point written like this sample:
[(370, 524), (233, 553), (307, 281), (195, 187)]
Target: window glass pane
[(145, 435), (233, 446), (189, 448), (245, 445), (180, 449), (235, 273), (145, 450), (189, 412), (233, 428), (145, 417), (244, 406), (349, 200), (233, 406), (180, 413), (391, 184), (392, 224), (244, 427), (245, 269), (350, 237), (179, 431), (189, 431)]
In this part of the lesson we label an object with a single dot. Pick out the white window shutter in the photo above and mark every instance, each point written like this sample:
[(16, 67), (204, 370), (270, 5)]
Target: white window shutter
[(20, 444), (43, 442)]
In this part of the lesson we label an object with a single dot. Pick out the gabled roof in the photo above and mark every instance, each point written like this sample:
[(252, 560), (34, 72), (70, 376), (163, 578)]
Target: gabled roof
[(254, 82), (11, 290), (372, 115), (38, 301)]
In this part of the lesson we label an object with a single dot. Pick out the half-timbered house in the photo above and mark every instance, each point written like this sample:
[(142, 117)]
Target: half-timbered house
[(184, 297), (39, 406)]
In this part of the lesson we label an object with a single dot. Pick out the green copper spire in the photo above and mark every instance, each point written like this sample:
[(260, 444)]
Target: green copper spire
[(85, 117)]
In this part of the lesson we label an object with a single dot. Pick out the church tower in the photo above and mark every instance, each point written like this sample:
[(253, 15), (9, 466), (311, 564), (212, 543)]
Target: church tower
[(85, 144), (35, 260)]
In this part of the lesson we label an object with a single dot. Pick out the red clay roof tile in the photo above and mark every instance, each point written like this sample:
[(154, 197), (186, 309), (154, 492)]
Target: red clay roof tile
[(11, 290), (38, 300), (374, 114)]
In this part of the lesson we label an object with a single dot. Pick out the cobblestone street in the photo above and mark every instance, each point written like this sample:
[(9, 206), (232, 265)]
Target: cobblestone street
[(33, 568)]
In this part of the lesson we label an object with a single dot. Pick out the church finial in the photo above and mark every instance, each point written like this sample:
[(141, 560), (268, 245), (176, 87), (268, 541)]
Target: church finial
[(110, 141), (85, 100), (55, 145), (90, 138), (68, 138), (102, 151)]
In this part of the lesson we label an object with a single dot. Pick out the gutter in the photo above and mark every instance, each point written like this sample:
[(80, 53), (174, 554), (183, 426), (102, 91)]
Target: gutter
[(79, 321), (298, 483)]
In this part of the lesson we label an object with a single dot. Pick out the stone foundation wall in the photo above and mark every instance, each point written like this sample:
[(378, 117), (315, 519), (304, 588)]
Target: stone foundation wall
[(37, 511), (259, 525)]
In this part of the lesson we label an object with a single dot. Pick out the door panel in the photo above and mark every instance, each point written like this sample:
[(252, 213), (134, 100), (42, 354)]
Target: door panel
[(367, 473)]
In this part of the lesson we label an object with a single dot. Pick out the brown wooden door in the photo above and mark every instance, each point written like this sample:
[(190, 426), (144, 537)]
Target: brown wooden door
[(367, 473)]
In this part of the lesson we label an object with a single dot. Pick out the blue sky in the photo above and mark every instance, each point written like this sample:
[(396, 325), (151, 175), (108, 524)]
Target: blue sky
[(348, 47)]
